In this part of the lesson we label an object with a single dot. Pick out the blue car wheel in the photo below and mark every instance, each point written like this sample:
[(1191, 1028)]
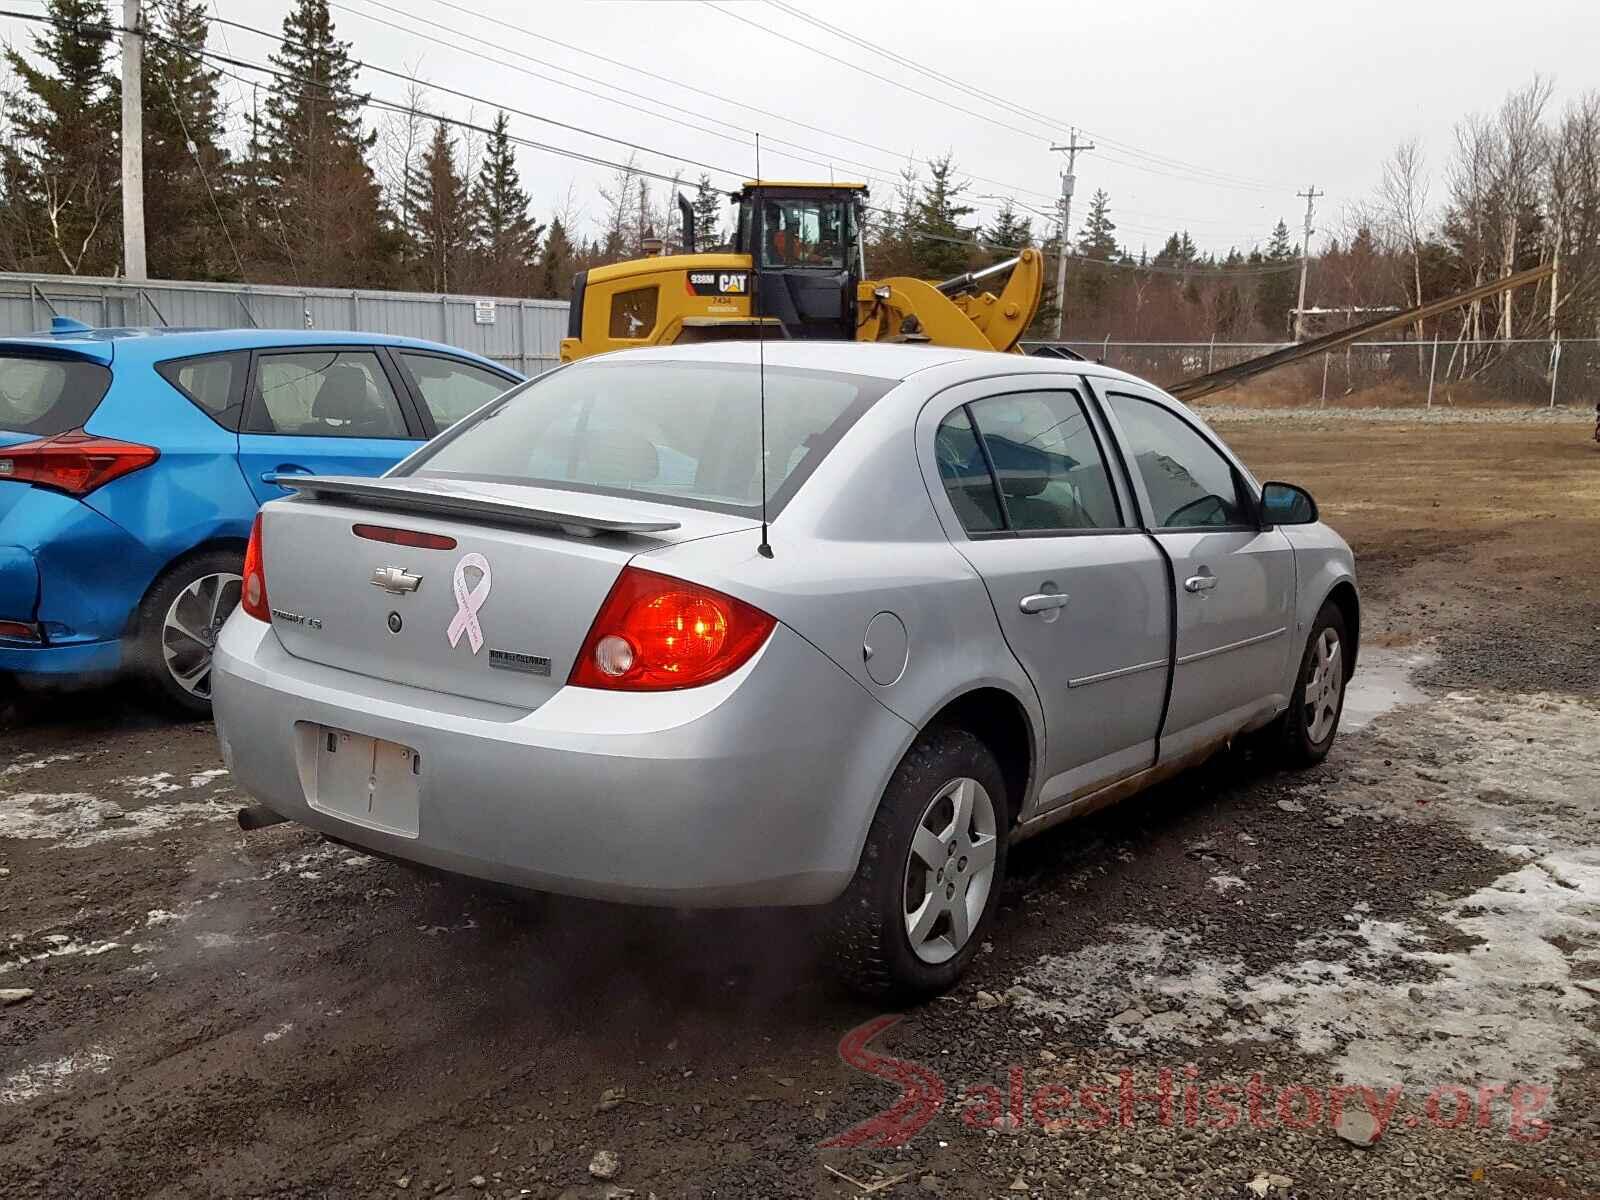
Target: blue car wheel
[(178, 626)]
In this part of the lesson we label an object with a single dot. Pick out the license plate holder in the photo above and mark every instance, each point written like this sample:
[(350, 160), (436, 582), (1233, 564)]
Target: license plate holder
[(365, 780)]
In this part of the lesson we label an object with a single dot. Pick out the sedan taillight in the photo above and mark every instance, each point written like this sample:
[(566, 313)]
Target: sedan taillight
[(253, 592), (655, 633), (74, 462)]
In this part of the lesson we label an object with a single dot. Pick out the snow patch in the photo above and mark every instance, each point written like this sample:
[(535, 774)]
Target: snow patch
[(75, 820), (60, 946), (45, 1076), (37, 764), (1505, 995), (148, 787)]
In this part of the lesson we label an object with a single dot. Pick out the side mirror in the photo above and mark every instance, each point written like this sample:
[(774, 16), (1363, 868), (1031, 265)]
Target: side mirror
[(1286, 504)]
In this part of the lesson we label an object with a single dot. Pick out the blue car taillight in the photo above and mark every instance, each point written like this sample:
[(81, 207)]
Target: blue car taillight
[(74, 462)]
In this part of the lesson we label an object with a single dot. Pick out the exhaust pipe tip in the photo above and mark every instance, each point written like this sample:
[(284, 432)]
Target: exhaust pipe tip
[(259, 816)]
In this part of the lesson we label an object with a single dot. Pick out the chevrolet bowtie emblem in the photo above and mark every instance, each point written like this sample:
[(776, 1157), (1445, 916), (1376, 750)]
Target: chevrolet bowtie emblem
[(395, 579)]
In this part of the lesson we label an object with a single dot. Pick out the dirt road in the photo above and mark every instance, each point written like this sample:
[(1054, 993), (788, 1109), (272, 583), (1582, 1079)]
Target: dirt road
[(1411, 931)]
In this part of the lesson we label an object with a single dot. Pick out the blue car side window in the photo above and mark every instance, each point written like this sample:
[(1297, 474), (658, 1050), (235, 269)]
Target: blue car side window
[(325, 393), (214, 383)]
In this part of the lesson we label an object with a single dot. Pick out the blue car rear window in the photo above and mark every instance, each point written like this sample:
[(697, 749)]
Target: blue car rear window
[(46, 394)]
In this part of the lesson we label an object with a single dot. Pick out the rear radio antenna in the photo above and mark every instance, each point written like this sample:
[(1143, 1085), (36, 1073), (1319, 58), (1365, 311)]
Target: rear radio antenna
[(758, 225)]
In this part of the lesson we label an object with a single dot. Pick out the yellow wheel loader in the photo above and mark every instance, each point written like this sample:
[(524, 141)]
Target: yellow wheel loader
[(797, 270)]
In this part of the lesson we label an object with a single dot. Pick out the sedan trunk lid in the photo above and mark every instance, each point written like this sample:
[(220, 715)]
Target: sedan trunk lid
[(483, 590)]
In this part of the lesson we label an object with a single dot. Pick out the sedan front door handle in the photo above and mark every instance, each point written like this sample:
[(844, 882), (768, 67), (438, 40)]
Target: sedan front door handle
[(1043, 601), (1200, 583)]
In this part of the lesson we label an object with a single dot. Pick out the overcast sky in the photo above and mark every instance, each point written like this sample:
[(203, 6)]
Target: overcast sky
[(1206, 117)]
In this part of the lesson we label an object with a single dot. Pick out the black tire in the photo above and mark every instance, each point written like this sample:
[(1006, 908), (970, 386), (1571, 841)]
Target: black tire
[(149, 660), (1294, 744), (869, 942)]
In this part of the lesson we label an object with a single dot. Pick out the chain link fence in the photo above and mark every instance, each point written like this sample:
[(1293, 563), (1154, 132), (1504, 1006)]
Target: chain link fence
[(1389, 374)]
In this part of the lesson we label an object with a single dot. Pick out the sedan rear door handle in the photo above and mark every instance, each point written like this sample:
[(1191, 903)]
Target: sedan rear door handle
[(1043, 601), (1200, 583)]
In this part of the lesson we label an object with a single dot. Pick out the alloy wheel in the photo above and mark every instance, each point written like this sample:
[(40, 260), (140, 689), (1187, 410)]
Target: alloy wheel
[(189, 630), (950, 870), (1324, 685)]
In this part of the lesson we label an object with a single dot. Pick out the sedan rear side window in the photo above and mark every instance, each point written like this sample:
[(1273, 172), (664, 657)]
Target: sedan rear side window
[(1191, 484), (966, 476), (45, 396), (687, 433), (1039, 469), (1047, 461)]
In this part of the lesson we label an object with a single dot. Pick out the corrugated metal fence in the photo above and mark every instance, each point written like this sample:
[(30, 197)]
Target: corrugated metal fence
[(524, 334)]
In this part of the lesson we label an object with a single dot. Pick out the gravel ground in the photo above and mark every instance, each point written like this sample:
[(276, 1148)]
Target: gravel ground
[(1410, 930)]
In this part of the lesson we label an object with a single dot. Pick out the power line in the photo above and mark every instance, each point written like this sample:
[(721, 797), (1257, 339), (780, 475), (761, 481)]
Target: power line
[(1198, 173), (724, 99), (832, 158), (460, 95), (194, 153), (267, 34), (109, 32), (745, 132), (860, 70), (741, 137)]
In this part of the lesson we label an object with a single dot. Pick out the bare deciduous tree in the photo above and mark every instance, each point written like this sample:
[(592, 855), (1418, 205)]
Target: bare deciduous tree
[(1573, 172), (1403, 219), (1519, 150)]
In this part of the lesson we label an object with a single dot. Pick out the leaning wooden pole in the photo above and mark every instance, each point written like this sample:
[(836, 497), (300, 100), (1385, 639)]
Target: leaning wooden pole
[(1216, 381)]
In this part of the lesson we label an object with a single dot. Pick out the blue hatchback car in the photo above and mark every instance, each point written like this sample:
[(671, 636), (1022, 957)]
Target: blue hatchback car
[(132, 462)]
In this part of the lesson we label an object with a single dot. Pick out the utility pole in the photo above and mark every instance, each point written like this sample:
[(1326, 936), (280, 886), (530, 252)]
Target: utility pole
[(132, 141), (1068, 180), (1310, 194)]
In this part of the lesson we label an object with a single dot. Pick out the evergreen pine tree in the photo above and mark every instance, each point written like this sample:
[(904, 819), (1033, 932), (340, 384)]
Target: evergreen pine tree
[(1044, 318), (441, 214), (1179, 251), (1098, 239), (1096, 243), (938, 233), (63, 184), (1275, 293), (190, 207), (505, 236), (1009, 233), (556, 264), (327, 222), (707, 215)]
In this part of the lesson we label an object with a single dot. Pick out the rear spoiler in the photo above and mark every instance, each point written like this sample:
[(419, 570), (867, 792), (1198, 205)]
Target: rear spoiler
[(582, 516)]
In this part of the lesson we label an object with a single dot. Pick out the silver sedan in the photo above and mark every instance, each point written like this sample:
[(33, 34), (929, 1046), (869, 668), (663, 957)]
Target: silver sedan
[(566, 647)]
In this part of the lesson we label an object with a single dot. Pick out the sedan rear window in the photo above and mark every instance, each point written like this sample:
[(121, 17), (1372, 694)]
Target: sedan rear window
[(689, 433), (45, 395)]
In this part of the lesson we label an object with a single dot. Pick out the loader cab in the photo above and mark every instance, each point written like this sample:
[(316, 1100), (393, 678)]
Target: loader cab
[(805, 241)]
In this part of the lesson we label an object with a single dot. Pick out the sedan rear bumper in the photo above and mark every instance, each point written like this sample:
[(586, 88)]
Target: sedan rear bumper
[(755, 790)]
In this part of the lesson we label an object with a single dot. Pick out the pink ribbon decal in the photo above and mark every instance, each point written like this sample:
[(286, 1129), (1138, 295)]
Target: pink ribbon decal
[(469, 601)]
